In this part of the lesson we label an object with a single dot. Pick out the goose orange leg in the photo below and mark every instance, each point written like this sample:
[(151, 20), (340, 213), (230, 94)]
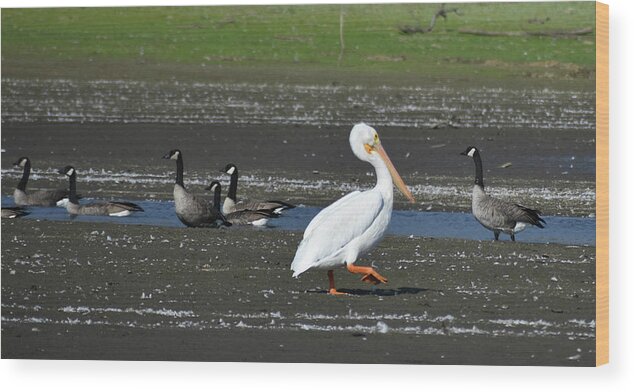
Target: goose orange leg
[(371, 276), (331, 279)]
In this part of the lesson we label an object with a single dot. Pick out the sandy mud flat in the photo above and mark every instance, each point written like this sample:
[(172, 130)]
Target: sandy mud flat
[(97, 290), (545, 169), (105, 291), (290, 140)]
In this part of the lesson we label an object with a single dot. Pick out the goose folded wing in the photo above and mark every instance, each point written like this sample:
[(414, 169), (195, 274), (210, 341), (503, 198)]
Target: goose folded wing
[(517, 213), (56, 194), (126, 205), (200, 206)]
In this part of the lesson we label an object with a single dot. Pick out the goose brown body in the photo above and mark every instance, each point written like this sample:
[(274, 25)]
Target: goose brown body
[(40, 198), (498, 215), (105, 208), (192, 210)]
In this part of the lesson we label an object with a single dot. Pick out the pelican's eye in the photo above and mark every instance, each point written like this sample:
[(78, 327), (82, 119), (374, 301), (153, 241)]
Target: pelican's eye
[(376, 139)]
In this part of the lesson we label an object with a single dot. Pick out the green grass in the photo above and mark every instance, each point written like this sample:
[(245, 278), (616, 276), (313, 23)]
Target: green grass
[(303, 36)]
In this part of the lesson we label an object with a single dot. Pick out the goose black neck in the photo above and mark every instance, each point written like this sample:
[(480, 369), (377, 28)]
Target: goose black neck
[(25, 176), (233, 185), (217, 197), (179, 170), (478, 169), (72, 191)]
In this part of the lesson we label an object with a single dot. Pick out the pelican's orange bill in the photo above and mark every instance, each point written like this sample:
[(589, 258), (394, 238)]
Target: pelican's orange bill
[(398, 181)]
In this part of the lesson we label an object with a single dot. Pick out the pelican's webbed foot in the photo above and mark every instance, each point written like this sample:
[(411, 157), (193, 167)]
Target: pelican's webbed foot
[(331, 279), (374, 279), (370, 275)]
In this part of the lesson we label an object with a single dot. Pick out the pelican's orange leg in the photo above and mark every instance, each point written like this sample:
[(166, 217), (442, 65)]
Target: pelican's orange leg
[(331, 279), (371, 276)]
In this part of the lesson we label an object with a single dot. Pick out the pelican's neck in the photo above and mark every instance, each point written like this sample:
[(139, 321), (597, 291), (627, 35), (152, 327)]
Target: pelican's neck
[(179, 170), (383, 180), (478, 169), (25, 176), (233, 186)]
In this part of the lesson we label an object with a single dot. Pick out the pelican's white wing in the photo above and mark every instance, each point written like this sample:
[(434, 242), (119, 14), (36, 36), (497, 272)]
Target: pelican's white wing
[(327, 212), (335, 227)]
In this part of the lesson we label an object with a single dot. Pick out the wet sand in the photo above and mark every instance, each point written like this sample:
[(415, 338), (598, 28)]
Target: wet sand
[(550, 170), (73, 290), (76, 290)]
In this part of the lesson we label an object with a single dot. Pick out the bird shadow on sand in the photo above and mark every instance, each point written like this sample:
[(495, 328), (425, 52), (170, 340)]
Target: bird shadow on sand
[(377, 292)]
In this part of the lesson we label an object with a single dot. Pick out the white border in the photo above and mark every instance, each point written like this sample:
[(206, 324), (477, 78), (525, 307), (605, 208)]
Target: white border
[(163, 376)]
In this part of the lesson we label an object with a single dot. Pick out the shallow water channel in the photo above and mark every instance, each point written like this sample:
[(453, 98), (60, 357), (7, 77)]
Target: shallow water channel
[(559, 229)]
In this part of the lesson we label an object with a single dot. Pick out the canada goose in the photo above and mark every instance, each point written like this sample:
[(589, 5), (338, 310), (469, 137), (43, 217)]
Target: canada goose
[(230, 206), (497, 215), (192, 210), (42, 198), (13, 212), (242, 217), (110, 208)]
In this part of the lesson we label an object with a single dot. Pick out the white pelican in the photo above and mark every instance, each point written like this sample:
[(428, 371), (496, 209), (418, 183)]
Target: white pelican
[(352, 225)]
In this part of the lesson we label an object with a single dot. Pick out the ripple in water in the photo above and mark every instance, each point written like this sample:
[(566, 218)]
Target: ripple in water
[(559, 229)]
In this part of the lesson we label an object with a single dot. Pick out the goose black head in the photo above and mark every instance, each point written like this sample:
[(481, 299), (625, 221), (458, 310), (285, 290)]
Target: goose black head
[(470, 151), (21, 162), (68, 171), (212, 187), (230, 168), (174, 154)]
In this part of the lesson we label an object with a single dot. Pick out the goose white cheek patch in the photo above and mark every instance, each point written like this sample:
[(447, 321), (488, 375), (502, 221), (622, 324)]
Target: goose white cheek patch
[(471, 152), (231, 170)]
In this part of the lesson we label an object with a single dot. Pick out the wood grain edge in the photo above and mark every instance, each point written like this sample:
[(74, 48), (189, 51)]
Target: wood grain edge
[(602, 176)]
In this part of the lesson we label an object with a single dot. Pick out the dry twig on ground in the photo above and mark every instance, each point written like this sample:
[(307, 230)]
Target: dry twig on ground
[(442, 12), (554, 33)]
